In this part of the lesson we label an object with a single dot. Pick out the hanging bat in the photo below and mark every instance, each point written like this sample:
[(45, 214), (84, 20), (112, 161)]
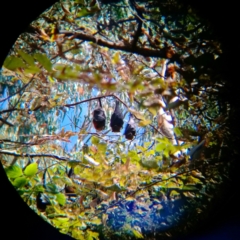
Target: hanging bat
[(99, 117), (42, 200), (70, 190), (116, 121), (130, 130)]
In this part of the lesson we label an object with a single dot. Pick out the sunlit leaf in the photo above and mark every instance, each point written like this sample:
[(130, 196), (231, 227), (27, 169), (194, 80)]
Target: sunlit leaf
[(102, 147), (20, 182), (96, 221), (78, 170), (14, 171), (116, 188), (153, 111), (137, 114), (116, 58), (12, 63), (160, 147), (39, 188), (31, 169), (86, 12), (189, 188), (177, 131), (174, 193), (137, 234), (95, 140), (26, 57), (43, 60), (144, 122), (61, 199), (92, 235), (172, 185), (149, 163)]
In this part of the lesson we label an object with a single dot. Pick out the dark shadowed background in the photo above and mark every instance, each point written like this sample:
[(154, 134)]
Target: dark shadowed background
[(19, 222)]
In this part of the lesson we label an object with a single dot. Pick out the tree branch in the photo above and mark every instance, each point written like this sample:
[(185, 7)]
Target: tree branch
[(34, 155), (147, 52)]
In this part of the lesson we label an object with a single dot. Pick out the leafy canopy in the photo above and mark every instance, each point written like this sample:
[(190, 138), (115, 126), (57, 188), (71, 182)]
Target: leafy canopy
[(161, 62)]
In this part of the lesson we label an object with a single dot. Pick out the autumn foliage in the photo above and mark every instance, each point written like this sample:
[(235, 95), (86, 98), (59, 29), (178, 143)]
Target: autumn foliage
[(153, 66)]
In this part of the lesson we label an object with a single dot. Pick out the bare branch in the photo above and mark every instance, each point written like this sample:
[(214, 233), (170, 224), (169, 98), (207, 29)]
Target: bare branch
[(34, 155)]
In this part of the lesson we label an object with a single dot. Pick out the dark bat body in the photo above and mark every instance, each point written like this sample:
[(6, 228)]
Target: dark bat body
[(70, 190), (116, 121), (42, 202), (130, 130), (99, 118)]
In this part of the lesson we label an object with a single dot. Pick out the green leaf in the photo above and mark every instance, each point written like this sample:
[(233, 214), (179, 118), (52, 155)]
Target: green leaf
[(23, 191), (12, 63), (73, 163), (77, 170), (86, 12), (174, 193), (52, 188), (61, 199), (83, 12), (92, 235), (26, 57), (144, 122), (20, 182), (39, 188), (44, 61), (189, 188), (116, 188), (57, 179), (32, 69), (14, 171), (160, 147), (177, 131), (137, 114), (102, 147), (95, 140), (31, 169), (149, 163), (67, 180), (96, 221), (137, 234), (77, 234), (133, 156)]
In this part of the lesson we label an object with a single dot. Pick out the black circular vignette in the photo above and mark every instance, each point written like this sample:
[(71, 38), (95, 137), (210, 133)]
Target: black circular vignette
[(19, 221)]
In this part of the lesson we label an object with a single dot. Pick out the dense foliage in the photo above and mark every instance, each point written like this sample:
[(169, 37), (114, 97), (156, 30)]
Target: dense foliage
[(161, 62)]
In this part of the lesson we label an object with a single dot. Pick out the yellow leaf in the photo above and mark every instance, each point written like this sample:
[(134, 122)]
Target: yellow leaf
[(116, 58), (136, 114), (153, 111), (197, 174), (144, 122)]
